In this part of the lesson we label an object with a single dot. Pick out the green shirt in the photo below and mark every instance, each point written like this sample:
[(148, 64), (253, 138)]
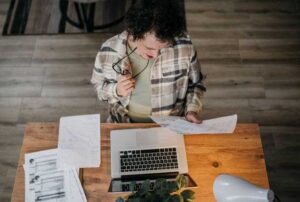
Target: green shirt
[(140, 102)]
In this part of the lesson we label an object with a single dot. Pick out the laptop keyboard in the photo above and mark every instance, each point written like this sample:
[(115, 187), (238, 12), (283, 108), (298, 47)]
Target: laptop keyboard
[(148, 159)]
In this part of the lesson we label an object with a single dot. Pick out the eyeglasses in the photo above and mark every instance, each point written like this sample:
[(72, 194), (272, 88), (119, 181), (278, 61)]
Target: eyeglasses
[(116, 65)]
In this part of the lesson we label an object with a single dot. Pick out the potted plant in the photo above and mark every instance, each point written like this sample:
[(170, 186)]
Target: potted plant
[(160, 191)]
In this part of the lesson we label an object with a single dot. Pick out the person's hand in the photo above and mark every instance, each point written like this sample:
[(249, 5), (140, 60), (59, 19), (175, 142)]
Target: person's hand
[(125, 85), (193, 117)]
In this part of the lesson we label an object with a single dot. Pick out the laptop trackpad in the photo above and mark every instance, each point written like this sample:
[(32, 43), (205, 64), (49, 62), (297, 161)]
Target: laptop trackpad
[(146, 139)]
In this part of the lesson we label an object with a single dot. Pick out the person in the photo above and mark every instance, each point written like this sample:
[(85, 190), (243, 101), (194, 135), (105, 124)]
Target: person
[(151, 68)]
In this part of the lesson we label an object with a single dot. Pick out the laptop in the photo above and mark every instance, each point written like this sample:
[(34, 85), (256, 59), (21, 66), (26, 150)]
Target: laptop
[(140, 154)]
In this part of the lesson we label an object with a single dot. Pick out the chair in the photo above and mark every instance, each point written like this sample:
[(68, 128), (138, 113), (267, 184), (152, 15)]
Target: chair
[(85, 11)]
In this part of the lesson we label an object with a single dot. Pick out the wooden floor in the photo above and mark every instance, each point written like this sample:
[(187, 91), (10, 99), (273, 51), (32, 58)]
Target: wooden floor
[(249, 51), (44, 16)]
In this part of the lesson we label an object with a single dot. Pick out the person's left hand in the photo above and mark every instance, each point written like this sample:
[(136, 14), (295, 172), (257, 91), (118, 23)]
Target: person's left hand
[(193, 117)]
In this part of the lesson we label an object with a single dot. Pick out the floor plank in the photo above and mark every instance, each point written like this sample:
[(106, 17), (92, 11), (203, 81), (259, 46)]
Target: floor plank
[(249, 52)]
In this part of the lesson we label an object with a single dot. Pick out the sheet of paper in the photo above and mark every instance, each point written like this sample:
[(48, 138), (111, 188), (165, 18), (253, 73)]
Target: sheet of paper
[(79, 141), (165, 120), (36, 165), (224, 124), (50, 187), (45, 181), (75, 192)]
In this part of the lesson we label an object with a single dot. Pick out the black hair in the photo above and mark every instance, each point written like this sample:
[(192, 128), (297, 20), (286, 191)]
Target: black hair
[(165, 18)]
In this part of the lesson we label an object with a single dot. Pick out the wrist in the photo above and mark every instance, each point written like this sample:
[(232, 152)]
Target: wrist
[(116, 92), (190, 113)]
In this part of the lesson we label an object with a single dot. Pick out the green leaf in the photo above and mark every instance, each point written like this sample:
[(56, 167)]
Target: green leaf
[(181, 182), (149, 197), (146, 185), (188, 195), (145, 188), (159, 184), (172, 187), (138, 199), (161, 192), (120, 199), (132, 185), (175, 198)]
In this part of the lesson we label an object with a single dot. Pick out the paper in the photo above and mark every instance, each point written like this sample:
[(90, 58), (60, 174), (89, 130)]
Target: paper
[(165, 120), (37, 164), (44, 181), (79, 141), (225, 124), (50, 187), (74, 192)]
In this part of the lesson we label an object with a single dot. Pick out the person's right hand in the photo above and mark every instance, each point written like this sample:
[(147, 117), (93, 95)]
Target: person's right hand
[(125, 85)]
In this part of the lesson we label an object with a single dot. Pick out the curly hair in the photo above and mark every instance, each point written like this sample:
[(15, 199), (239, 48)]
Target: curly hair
[(165, 18)]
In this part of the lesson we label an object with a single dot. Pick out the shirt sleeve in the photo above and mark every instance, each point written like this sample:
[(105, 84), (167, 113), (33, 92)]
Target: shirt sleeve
[(196, 87), (103, 79)]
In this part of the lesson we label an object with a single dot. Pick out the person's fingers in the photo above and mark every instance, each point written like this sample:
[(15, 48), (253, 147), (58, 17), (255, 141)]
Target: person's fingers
[(126, 72), (195, 120), (127, 82), (125, 77), (125, 85), (128, 86), (128, 91), (191, 117)]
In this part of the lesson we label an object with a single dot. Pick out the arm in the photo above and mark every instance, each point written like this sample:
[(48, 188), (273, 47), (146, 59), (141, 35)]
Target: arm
[(195, 91), (104, 78), (108, 87)]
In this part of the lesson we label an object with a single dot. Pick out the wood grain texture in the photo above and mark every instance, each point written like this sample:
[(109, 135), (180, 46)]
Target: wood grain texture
[(239, 153), (248, 50)]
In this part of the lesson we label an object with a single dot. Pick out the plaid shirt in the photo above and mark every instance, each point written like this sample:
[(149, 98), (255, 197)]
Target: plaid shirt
[(176, 79)]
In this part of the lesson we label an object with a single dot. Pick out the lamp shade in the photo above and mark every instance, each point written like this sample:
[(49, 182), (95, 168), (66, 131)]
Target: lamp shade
[(229, 188)]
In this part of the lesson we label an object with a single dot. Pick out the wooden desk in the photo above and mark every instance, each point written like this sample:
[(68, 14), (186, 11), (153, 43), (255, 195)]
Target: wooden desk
[(208, 155)]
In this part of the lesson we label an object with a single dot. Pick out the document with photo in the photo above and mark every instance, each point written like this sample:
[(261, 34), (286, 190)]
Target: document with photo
[(45, 181)]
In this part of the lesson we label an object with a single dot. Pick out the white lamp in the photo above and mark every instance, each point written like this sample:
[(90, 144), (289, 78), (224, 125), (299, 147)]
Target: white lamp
[(229, 188)]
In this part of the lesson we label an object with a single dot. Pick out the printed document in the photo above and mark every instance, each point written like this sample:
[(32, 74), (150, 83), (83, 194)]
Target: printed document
[(44, 181)]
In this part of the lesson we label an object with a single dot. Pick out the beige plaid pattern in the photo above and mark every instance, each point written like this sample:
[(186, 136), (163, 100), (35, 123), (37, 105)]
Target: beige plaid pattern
[(176, 79)]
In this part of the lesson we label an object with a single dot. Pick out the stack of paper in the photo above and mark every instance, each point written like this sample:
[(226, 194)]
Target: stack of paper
[(52, 175), (45, 181)]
